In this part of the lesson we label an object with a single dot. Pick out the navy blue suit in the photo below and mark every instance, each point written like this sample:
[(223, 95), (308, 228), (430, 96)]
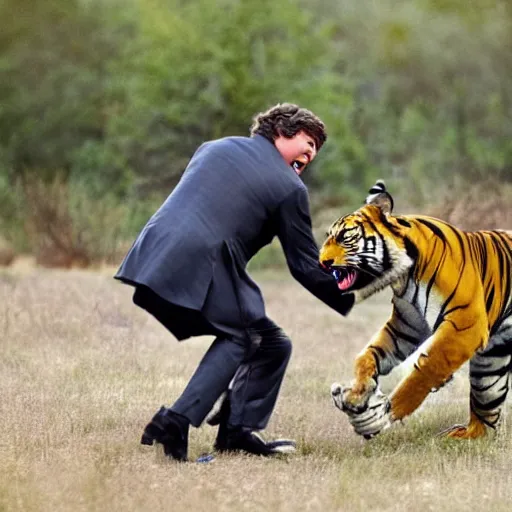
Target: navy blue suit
[(189, 267)]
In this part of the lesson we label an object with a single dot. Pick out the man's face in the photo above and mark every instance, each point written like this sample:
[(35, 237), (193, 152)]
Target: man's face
[(297, 151)]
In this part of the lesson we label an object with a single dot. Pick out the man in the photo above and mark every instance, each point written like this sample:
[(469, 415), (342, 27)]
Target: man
[(188, 266)]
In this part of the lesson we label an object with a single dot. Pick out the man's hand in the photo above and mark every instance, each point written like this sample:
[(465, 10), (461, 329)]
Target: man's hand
[(368, 421)]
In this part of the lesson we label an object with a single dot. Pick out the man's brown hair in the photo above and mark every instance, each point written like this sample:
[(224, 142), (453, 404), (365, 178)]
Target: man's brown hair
[(287, 119)]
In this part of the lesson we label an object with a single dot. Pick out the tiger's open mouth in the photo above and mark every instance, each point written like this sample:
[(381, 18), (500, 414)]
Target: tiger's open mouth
[(345, 277), (350, 278)]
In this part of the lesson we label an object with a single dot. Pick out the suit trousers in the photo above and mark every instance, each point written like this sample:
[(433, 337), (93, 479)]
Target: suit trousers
[(252, 365)]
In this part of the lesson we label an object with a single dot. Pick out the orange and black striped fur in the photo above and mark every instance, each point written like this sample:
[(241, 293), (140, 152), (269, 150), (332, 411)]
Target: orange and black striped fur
[(451, 294)]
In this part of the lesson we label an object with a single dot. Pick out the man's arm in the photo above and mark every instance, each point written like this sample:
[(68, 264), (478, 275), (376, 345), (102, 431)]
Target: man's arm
[(301, 251)]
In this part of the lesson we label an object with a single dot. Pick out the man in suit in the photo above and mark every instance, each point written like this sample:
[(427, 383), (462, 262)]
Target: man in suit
[(188, 266)]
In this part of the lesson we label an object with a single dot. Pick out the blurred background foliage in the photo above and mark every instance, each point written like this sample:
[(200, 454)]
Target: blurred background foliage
[(102, 103)]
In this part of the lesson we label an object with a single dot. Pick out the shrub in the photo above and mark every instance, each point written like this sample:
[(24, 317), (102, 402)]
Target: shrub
[(67, 226), (485, 205), (7, 253)]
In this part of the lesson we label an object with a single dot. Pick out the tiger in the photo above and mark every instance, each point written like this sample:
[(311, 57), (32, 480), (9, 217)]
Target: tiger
[(451, 301)]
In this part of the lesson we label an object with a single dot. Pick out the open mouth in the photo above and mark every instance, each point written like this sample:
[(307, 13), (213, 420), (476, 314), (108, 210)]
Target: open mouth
[(299, 163), (345, 277), (351, 278)]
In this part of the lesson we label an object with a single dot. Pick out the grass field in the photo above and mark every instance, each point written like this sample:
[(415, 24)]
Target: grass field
[(82, 371)]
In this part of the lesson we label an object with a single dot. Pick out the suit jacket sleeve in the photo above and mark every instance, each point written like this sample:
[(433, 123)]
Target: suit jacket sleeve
[(301, 251)]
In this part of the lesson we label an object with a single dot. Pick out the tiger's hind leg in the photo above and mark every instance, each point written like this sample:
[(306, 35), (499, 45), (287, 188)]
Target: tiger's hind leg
[(489, 378), (474, 429)]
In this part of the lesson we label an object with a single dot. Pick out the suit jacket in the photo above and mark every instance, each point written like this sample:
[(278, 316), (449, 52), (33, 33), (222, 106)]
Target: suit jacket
[(235, 196)]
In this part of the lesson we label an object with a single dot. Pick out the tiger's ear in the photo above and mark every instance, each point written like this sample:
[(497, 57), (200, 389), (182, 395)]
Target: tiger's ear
[(379, 196)]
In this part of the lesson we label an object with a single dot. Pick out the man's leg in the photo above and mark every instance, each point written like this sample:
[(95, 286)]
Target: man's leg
[(253, 394), (257, 382), (211, 378), (169, 426)]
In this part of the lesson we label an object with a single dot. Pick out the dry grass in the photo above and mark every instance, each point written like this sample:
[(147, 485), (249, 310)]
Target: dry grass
[(82, 370)]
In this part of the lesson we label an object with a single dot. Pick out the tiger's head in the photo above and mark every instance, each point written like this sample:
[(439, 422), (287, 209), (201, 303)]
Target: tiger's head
[(368, 250)]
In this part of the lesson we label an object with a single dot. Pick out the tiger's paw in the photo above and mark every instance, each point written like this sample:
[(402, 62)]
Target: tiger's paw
[(369, 419), (353, 399), (471, 431)]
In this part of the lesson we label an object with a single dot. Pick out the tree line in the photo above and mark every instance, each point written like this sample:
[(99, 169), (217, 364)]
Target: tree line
[(102, 102)]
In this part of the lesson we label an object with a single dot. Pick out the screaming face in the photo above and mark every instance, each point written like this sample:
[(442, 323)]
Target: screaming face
[(298, 151)]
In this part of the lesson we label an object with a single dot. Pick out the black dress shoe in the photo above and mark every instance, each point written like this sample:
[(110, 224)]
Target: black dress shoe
[(169, 429), (244, 439), (241, 439)]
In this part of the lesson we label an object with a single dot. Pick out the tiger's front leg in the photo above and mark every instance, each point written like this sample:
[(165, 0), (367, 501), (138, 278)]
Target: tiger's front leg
[(449, 347), (366, 407), (355, 398), (398, 338)]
